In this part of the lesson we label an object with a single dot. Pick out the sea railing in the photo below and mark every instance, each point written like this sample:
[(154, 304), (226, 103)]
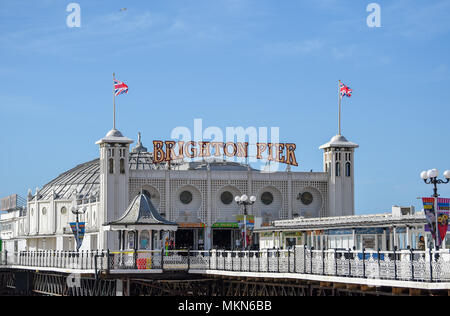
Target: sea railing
[(405, 265), (77, 260)]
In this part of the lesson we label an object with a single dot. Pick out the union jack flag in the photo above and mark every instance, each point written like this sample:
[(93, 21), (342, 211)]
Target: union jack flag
[(344, 90), (120, 87)]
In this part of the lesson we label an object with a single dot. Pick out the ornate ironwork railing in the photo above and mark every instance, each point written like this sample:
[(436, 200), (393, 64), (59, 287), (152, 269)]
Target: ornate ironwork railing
[(82, 260), (406, 265)]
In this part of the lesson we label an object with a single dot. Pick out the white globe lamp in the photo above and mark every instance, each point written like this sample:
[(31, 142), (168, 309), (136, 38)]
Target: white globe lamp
[(447, 174), (424, 175)]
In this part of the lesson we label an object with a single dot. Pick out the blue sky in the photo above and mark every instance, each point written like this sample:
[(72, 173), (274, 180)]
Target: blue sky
[(231, 63)]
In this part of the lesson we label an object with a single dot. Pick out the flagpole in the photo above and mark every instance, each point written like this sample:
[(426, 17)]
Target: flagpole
[(114, 103), (339, 94)]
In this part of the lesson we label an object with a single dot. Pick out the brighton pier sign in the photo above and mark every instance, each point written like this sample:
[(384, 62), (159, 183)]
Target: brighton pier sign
[(179, 150)]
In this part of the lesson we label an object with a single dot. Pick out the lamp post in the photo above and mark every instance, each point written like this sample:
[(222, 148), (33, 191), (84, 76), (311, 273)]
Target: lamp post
[(245, 201), (431, 177), (77, 211)]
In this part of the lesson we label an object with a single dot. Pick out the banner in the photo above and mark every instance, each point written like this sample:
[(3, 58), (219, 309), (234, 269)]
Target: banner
[(246, 224), (443, 208), (249, 221), (78, 232), (428, 207)]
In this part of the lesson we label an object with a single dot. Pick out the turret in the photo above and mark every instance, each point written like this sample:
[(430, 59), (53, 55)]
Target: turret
[(114, 175), (338, 162)]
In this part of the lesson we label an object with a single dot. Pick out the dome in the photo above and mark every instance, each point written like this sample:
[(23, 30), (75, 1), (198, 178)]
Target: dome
[(339, 141), (84, 179), (114, 133), (142, 160), (338, 138), (114, 136), (218, 165)]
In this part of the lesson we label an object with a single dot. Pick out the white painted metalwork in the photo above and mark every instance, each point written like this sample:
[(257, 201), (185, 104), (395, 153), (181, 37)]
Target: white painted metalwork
[(407, 265)]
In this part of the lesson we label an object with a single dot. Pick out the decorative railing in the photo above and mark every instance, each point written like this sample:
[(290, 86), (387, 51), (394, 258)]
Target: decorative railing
[(82, 260), (406, 265)]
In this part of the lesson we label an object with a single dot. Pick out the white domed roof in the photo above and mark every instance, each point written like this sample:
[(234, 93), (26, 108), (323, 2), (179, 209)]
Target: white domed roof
[(339, 141), (114, 133), (114, 136)]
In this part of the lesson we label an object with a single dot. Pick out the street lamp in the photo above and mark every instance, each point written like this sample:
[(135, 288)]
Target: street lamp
[(245, 201), (77, 211), (430, 177)]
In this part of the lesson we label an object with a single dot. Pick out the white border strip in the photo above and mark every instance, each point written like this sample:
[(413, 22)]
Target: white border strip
[(325, 278)]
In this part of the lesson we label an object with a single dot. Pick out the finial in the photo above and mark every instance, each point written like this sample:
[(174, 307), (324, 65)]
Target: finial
[(139, 147)]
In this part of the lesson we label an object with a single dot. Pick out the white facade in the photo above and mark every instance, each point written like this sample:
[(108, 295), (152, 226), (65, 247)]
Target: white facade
[(193, 194)]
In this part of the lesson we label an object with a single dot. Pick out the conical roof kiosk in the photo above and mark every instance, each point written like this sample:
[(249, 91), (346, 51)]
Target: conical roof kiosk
[(140, 218)]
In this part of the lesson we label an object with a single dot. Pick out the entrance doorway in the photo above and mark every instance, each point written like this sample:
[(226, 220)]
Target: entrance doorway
[(222, 239), (184, 239)]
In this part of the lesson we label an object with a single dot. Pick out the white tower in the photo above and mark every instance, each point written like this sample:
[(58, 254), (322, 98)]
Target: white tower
[(338, 161), (114, 176)]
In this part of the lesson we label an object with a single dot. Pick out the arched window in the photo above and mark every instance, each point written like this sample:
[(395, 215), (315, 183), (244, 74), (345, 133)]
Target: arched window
[(348, 169), (338, 169), (144, 240), (111, 165), (122, 166), (131, 240)]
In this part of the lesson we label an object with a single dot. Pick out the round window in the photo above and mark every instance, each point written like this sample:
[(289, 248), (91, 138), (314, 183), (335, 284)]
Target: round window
[(267, 198), (63, 210), (306, 198), (186, 197), (226, 197), (44, 211)]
